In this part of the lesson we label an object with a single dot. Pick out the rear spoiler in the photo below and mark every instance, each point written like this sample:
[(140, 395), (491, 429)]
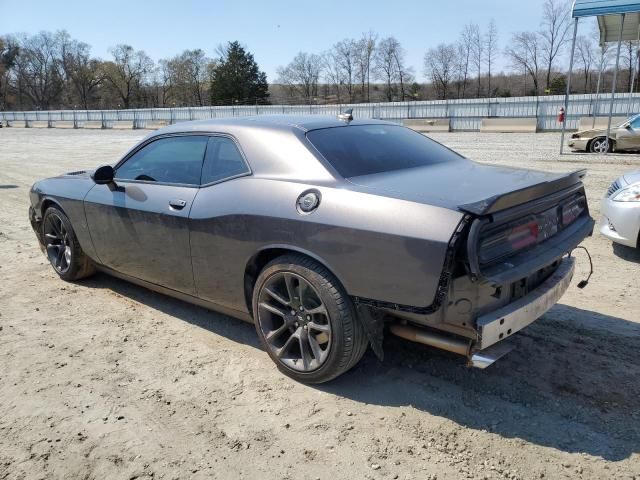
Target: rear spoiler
[(524, 195)]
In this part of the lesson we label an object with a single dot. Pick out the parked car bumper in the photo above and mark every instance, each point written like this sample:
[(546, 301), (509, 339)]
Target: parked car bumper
[(621, 221), (578, 143)]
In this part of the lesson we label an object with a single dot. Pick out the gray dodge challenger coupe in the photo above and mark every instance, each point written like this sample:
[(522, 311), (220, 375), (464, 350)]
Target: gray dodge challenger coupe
[(326, 233)]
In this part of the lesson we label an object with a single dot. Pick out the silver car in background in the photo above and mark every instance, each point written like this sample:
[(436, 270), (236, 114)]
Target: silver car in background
[(621, 210)]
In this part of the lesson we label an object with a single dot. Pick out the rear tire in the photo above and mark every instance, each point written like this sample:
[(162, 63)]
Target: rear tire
[(306, 321), (62, 247)]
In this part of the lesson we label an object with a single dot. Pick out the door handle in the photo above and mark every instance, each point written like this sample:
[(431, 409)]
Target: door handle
[(177, 204)]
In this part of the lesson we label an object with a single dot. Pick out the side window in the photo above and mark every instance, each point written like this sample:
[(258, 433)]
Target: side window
[(635, 124), (169, 160), (223, 160)]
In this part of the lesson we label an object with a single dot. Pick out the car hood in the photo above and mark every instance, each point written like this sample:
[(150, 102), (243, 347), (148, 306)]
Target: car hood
[(596, 132), (78, 173), (632, 177), (466, 185)]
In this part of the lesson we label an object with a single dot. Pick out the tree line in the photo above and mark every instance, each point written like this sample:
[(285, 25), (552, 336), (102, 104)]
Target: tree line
[(536, 64), (52, 70)]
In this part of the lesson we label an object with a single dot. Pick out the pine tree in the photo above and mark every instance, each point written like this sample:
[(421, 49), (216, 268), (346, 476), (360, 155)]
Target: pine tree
[(237, 78)]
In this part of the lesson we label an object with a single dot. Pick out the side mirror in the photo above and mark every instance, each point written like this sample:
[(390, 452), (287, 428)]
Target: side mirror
[(627, 126), (103, 175)]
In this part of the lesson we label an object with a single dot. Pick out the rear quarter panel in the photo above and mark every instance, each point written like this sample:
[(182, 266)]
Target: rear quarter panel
[(379, 248)]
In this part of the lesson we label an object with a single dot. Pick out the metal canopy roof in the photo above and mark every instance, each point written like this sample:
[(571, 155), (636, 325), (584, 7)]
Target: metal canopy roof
[(610, 27), (609, 17), (594, 8)]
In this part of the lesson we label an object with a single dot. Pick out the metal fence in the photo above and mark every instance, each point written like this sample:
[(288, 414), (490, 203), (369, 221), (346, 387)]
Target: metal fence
[(464, 114)]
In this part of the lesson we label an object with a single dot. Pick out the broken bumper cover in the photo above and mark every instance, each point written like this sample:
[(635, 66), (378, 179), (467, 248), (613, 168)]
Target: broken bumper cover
[(502, 323)]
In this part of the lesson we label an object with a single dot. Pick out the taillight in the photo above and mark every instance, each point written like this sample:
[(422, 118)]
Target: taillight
[(572, 210), (523, 235), (504, 240), (507, 239)]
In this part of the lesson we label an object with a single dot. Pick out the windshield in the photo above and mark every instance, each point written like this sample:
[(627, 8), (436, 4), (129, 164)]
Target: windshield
[(634, 121), (358, 150)]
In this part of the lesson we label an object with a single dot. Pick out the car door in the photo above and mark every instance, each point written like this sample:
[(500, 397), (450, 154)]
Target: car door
[(628, 136), (218, 239), (140, 225)]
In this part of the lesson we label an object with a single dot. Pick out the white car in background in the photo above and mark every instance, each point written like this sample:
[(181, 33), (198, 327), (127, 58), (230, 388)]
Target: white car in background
[(621, 210)]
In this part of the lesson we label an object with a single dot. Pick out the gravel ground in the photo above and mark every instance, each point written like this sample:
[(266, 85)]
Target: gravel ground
[(103, 379)]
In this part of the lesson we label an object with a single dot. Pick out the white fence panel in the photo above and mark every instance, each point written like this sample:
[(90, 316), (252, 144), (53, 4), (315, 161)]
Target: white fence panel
[(464, 114)]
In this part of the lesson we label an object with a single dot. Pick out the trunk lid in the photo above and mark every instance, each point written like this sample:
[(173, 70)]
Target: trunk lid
[(468, 186)]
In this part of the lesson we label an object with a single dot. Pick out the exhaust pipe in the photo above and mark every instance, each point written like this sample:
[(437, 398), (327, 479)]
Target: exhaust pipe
[(479, 359), (432, 339)]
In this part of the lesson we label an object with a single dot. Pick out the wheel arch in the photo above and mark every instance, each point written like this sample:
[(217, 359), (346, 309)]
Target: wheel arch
[(48, 202), (256, 263)]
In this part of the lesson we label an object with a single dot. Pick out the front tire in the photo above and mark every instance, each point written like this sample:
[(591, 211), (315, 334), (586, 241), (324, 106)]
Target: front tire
[(306, 321), (600, 145), (62, 247)]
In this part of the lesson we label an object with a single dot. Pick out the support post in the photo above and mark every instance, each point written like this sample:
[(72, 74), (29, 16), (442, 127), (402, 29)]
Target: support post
[(615, 79), (634, 70), (566, 95), (633, 80), (595, 107)]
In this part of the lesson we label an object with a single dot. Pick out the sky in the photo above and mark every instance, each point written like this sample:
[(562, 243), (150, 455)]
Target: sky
[(274, 31)]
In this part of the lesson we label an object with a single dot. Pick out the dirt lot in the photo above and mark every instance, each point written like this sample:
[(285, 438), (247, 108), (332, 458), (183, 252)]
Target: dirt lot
[(103, 379)]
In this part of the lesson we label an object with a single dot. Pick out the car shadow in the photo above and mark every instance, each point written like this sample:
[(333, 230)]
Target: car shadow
[(626, 253), (231, 328), (571, 383)]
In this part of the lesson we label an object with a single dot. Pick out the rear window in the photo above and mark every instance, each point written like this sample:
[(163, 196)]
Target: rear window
[(367, 149)]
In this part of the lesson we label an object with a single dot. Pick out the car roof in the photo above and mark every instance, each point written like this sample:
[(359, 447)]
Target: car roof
[(304, 123), (271, 143)]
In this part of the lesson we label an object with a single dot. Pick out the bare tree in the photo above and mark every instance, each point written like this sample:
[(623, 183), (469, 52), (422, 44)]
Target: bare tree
[(440, 66), (629, 59), (405, 73), (347, 59), (301, 75), (386, 66), (491, 49), (464, 53), (477, 55), (554, 33), (365, 51), (84, 74), (586, 57), (332, 73), (8, 52), (127, 72), (189, 76), (163, 81), (603, 53), (524, 52), (38, 70)]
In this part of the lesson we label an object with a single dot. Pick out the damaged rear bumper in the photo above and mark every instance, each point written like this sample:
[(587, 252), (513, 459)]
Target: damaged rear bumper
[(499, 324), (495, 327)]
